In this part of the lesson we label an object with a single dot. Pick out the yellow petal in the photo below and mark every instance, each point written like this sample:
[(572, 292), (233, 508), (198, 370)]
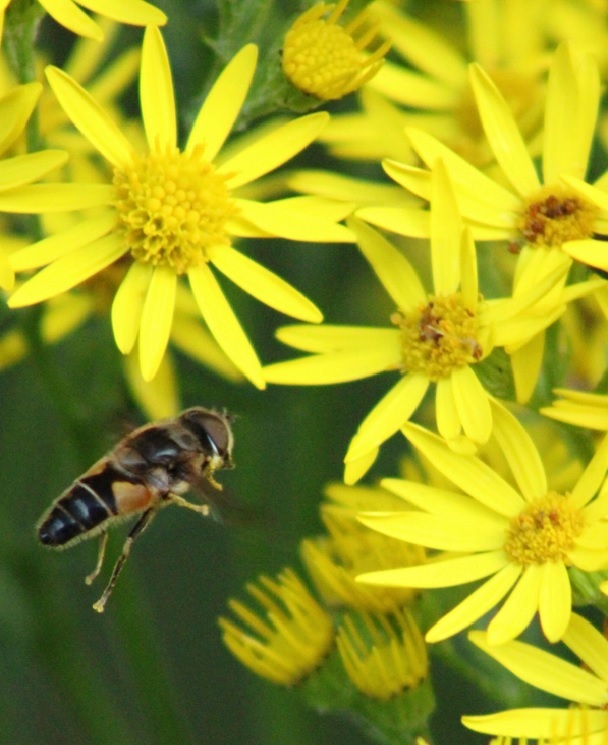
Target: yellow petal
[(592, 477), (334, 367), (272, 151), (519, 609), (67, 14), (446, 412), (409, 222), (520, 452), (68, 271), (544, 724), (55, 246), (454, 531), (223, 103), (545, 671), (446, 232), (329, 338), (397, 275), (589, 644), (440, 573), (477, 604), (503, 134), (156, 320), (128, 304), (135, 12), (555, 600), (23, 169), (356, 469), (264, 285), (570, 113), (42, 198), (156, 93), (223, 324), (393, 410), (472, 405), (467, 179), (588, 251), (16, 107), (191, 338), (296, 220), (90, 118), (469, 473)]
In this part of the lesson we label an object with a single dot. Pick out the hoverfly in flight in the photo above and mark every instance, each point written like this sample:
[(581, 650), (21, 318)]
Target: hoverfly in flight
[(148, 469)]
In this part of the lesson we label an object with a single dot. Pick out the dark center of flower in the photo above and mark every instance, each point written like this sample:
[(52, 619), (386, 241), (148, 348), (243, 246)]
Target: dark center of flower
[(438, 337), (554, 215), (172, 207)]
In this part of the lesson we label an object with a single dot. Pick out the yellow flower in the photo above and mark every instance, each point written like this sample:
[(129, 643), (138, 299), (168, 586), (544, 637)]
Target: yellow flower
[(522, 537), (289, 640), (68, 14), (174, 212), (585, 724), (383, 655), (326, 60), (436, 338), (540, 218)]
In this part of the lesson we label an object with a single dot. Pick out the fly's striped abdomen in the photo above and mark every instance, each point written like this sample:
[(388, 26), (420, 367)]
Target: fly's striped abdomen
[(84, 507)]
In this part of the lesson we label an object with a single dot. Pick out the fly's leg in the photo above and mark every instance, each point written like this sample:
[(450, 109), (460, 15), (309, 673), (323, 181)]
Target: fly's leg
[(136, 531), (103, 542)]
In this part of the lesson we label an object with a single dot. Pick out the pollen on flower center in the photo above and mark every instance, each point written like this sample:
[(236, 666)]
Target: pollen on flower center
[(172, 207), (545, 531), (326, 60), (556, 214), (438, 337)]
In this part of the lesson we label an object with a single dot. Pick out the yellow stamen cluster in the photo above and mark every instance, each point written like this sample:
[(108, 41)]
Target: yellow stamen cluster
[(438, 337), (172, 207), (554, 215), (545, 531), (326, 60), (289, 639), (351, 549), (395, 660)]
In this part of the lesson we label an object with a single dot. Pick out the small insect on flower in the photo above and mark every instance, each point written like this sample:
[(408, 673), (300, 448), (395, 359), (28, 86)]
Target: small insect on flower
[(147, 470)]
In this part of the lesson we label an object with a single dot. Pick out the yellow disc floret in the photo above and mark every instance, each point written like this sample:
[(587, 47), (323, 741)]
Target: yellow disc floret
[(172, 207), (438, 337), (545, 531), (326, 60), (556, 214)]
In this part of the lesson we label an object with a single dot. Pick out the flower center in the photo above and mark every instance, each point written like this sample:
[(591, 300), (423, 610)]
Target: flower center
[(438, 337), (554, 215), (172, 207), (544, 531), (326, 60)]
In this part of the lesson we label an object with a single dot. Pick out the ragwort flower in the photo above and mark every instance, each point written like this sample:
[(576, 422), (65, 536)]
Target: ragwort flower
[(541, 218), (174, 212), (68, 14), (587, 723), (436, 338), (523, 538)]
